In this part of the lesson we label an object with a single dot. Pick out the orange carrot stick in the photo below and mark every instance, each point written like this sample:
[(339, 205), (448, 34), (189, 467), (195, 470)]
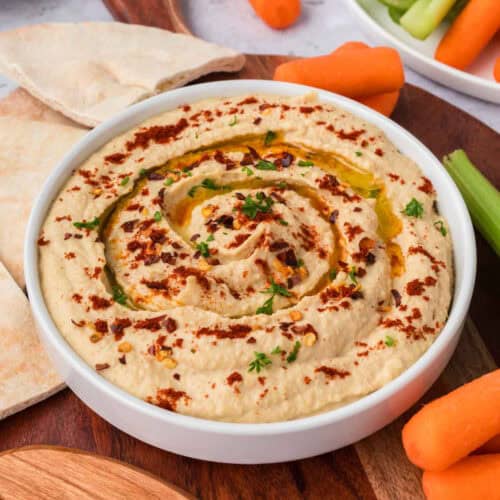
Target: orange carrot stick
[(452, 426), (278, 14), (353, 73), (470, 33), (383, 103), (473, 478), (491, 446), (496, 70)]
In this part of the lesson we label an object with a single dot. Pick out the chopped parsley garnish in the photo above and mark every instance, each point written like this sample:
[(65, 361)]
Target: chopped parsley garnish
[(87, 225), (332, 274), (283, 222), (305, 163), (187, 171), (270, 136), (373, 193), (300, 262), (207, 184), (274, 289), (142, 172), (202, 247), (247, 171), (352, 275), (157, 216), (277, 350), (211, 237), (439, 225), (234, 121), (252, 207), (389, 341), (261, 361), (293, 355), (119, 295), (265, 165), (124, 181), (414, 209), (282, 185), (169, 181), (266, 307), (359, 153)]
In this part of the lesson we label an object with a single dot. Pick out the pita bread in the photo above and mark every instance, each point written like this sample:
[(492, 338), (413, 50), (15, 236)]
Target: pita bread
[(91, 71), (26, 374), (21, 104), (28, 152)]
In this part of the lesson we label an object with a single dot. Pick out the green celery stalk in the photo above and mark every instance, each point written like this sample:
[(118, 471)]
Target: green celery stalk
[(481, 197), (424, 16)]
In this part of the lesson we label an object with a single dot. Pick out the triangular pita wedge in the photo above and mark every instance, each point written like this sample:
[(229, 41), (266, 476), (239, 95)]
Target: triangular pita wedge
[(29, 150), (26, 374), (90, 71), (21, 104)]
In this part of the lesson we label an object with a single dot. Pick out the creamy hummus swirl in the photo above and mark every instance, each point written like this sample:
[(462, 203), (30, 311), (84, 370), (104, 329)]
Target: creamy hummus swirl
[(251, 259)]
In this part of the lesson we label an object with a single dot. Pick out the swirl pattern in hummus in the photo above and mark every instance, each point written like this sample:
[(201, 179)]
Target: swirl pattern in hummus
[(249, 259)]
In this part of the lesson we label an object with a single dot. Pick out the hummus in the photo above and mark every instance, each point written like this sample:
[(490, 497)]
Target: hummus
[(249, 259)]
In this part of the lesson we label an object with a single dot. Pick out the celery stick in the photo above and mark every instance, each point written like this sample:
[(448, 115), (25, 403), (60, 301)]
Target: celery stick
[(424, 16), (481, 197)]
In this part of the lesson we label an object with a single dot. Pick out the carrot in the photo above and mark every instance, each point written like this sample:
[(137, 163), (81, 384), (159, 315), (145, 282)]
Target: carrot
[(278, 14), (473, 478), (496, 70), (353, 73), (491, 446), (470, 33), (383, 103), (450, 427)]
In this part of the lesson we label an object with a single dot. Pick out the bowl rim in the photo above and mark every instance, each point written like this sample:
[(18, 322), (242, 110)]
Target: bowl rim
[(478, 82), (132, 117)]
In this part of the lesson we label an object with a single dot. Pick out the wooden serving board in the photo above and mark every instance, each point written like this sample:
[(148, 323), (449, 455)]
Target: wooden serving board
[(375, 468)]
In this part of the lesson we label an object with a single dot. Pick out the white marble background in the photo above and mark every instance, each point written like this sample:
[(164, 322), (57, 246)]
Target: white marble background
[(324, 25)]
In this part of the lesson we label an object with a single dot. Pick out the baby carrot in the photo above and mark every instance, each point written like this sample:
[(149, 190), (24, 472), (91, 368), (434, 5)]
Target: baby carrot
[(352, 73), (473, 478), (470, 33), (496, 70), (278, 14), (450, 427), (383, 103)]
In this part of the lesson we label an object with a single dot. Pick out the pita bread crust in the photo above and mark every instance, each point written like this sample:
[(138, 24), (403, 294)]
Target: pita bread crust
[(20, 104), (28, 153), (26, 374), (91, 71)]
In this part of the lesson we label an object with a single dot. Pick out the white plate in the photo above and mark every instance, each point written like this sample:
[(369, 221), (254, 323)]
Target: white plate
[(477, 81), (254, 443)]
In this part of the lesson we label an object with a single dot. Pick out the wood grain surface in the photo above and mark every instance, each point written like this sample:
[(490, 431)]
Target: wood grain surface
[(373, 468)]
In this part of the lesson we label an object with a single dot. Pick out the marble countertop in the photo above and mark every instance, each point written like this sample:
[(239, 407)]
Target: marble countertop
[(324, 25)]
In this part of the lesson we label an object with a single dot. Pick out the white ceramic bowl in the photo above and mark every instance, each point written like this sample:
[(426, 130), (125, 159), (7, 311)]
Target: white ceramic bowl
[(476, 81), (254, 443)]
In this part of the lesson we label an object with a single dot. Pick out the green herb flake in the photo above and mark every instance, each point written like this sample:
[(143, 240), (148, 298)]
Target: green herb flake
[(261, 361), (142, 172), (293, 355), (265, 165), (352, 275), (203, 249), (234, 121), (124, 181), (389, 341), (414, 209), (208, 184), (283, 222), (277, 350), (251, 207), (211, 238), (276, 289), (266, 307), (247, 171), (359, 153), (157, 216), (439, 225), (374, 193), (169, 181), (119, 295), (300, 262), (305, 163), (87, 225), (269, 137), (332, 274)]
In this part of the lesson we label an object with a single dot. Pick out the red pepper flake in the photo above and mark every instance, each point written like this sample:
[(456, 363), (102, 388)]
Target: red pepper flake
[(252, 340), (79, 324), (67, 236), (151, 324), (42, 241), (99, 302), (128, 226), (118, 326), (257, 120), (171, 326), (306, 109), (352, 231), (64, 217), (262, 380), (77, 298), (161, 134), (426, 186), (186, 108), (178, 343), (69, 255), (379, 152), (248, 100), (238, 240), (101, 366), (176, 376), (168, 398), (307, 380), (349, 136), (234, 377), (332, 373), (122, 360), (238, 331), (116, 158), (415, 287), (394, 177), (430, 281), (436, 264), (101, 326)]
